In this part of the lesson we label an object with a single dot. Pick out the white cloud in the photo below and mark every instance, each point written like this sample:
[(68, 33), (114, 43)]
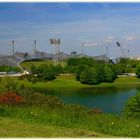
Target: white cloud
[(110, 39), (130, 38), (90, 44)]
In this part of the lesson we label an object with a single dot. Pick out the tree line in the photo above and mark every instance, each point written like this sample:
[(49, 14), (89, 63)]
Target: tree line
[(86, 70), (90, 71)]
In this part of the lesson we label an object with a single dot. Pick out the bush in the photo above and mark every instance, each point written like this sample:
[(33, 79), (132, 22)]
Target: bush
[(89, 76), (39, 99), (43, 72), (8, 84), (132, 108), (24, 91), (32, 78), (79, 69), (53, 101), (49, 74), (100, 71), (109, 74), (11, 98)]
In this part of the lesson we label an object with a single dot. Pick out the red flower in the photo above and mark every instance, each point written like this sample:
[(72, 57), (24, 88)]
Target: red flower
[(11, 98)]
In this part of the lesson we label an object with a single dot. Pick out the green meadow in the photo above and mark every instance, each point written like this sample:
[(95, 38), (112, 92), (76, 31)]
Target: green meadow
[(69, 81), (28, 64)]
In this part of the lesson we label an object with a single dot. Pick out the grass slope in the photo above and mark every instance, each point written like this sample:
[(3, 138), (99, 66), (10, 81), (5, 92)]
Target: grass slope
[(28, 64), (69, 81), (16, 128)]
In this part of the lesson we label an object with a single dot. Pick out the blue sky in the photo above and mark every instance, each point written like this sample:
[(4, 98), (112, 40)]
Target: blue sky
[(96, 24)]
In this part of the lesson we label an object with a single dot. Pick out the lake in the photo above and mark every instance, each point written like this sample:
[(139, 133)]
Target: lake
[(109, 100)]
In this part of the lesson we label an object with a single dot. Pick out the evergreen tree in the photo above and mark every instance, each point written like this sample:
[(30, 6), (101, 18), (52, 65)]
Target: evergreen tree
[(109, 74), (89, 76)]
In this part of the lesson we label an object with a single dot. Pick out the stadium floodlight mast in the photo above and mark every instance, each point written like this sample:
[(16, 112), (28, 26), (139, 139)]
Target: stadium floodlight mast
[(13, 48), (83, 45), (128, 40), (128, 51), (111, 40), (122, 50), (106, 53), (34, 46), (55, 43)]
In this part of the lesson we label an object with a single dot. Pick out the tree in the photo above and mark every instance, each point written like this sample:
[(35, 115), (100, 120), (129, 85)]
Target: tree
[(138, 70), (80, 68), (124, 61), (133, 63), (132, 108), (86, 61), (33, 69), (49, 74), (109, 74), (58, 69), (73, 61), (81, 61), (100, 71), (120, 68), (89, 76), (43, 72)]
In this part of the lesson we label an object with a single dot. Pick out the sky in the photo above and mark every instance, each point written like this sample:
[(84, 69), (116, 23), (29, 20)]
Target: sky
[(96, 25)]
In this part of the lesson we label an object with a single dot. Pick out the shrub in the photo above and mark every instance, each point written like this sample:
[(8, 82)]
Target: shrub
[(109, 74), (79, 69), (43, 72), (53, 101), (132, 108), (39, 99), (8, 84), (89, 76), (24, 91), (32, 78), (21, 77), (11, 98), (100, 71)]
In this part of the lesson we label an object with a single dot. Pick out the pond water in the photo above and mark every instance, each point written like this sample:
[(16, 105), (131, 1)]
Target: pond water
[(109, 100)]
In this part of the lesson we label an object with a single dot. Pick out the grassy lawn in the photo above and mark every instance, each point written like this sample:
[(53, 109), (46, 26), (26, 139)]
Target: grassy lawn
[(16, 128), (69, 81), (28, 64), (127, 80)]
